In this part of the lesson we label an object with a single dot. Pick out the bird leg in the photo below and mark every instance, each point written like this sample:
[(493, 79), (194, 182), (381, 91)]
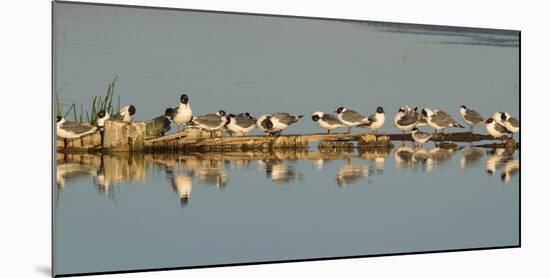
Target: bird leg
[(328, 131), (471, 129), (349, 129)]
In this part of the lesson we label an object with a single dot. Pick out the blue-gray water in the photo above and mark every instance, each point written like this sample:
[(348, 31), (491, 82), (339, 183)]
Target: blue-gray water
[(125, 213), (121, 212)]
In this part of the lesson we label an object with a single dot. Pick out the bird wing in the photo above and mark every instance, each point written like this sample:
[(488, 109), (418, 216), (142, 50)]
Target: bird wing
[(513, 121), (244, 121), (284, 118), (352, 116), (372, 118), (331, 119), (500, 128), (473, 116), (77, 128), (408, 119)]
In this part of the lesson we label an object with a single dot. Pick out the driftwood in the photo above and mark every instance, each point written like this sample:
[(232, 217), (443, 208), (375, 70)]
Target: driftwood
[(131, 137)]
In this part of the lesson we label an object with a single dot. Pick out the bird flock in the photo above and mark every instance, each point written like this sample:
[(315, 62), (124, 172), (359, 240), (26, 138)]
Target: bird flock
[(406, 119)]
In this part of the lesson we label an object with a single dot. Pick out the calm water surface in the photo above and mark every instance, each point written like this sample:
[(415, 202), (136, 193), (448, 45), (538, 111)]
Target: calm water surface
[(117, 212), (152, 211)]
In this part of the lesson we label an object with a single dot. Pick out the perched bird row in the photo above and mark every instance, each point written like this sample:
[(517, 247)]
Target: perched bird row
[(406, 119)]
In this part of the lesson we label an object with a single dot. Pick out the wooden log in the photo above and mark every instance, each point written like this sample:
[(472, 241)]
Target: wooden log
[(84, 144), (440, 137), (374, 141), (122, 136)]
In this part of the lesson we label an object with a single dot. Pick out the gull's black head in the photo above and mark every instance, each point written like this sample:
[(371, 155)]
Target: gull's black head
[(490, 172), (416, 108), (267, 123), (222, 113), (503, 116), (184, 99), (490, 120), (339, 110), (232, 115), (101, 114), (315, 117), (132, 110), (169, 112), (414, 130), (379, 110), (401, 109), (424, 113), (59, 118), (463, 106)]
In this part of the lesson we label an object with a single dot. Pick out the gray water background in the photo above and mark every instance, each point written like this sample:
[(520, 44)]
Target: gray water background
[(268, 64)]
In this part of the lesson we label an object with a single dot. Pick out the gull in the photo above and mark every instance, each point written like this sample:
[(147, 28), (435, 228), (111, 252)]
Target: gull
[(350, 118), (211, 122), (495, 129), (183, 113), (420, 137), (439, 120), (327, 121), (241, 123), (72, 130), (376, 121), (509, 122), (126, 114), (406, 118), (471, 117), (282, 120)]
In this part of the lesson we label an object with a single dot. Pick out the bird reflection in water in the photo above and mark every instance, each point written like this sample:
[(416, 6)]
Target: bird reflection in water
[(403, 157), (424, 159), (350, 173), (438, 156), (278, 171), (72, 172), (502, 158), (511, 168), (495, 161), (471, 156), (212, 172), (182, 185)]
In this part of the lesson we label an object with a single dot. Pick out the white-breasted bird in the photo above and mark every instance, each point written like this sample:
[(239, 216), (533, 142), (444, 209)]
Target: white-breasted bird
[(210, 122), (509, 122), (72, 130), (102, 117), (282, 120), (376, 121), (406, 118), (241, 123), (439, 120), (350, 118), (495, 129), (126, 114), (327, 121), (420, 137), (470, 117), (183, 113), (265, 124)]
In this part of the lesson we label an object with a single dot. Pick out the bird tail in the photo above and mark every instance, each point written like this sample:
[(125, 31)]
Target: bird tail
[(458, 125), (299, 116)]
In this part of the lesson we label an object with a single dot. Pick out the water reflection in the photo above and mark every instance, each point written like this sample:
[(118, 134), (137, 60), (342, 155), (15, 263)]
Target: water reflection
[(281, 167), (471, 157), (278, 171), (349, 174)]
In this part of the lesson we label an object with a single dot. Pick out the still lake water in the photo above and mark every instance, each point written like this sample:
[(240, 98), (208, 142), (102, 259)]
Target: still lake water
[(119, 213), (149, 211)]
